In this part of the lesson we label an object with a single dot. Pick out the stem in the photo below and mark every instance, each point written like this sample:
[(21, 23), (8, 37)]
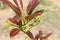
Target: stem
[(34, 23), (26, 38)]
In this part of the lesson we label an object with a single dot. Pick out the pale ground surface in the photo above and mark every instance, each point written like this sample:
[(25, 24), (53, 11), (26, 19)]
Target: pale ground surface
[(50, 22)]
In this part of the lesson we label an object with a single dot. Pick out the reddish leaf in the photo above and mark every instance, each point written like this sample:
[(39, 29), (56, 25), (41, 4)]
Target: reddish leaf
[(43, 37), (37, 36), (35, 14), (12, 6), (32, 4), (16, 20), (14, 32), (48, 35), (30, 34), (20, 3), (40, 34), (15, 2)]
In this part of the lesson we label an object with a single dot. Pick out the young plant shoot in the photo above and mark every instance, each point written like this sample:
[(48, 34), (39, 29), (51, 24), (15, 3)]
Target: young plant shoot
[(22, 21)]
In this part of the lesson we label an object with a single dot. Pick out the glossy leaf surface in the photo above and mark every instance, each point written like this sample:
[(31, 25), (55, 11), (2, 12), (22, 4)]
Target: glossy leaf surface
[(35, 14), (16, 20), (14, 32), (32, 4)]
